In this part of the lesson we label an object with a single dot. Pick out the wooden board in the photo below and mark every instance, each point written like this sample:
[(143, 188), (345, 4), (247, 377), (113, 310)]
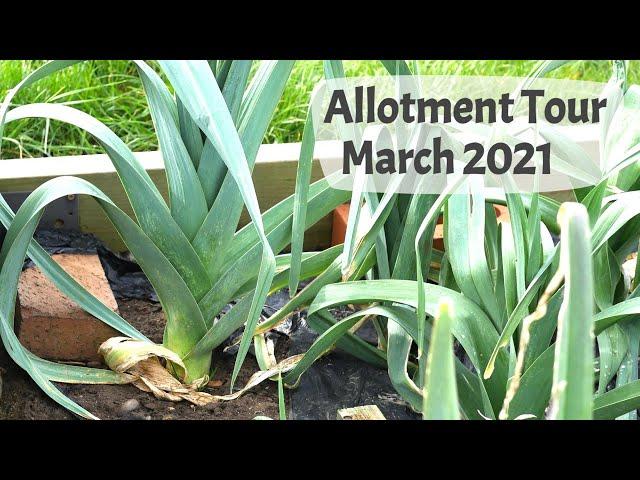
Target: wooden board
[(274, 176)]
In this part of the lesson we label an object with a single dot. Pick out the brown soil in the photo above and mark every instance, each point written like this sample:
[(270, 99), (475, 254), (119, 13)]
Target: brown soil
[(21, 399)]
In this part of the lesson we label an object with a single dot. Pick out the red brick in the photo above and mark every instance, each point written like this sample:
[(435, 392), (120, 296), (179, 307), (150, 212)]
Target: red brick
[(339, 229), (54, 327)]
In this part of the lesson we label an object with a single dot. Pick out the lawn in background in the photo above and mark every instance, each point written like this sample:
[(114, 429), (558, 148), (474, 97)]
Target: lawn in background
[(111, 92)]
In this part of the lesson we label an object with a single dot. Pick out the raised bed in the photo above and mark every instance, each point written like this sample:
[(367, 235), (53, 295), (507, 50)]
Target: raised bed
[(274, 178)]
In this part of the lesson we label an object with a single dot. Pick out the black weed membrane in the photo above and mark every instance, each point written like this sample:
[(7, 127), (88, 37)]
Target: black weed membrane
[(337, 380)]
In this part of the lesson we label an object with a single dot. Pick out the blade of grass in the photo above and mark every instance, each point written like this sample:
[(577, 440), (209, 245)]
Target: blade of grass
[(190, 134), (440, 390), (617, 402), (613, 345), (303, 178), (282, 410), (573, 375), (188, 204), (260, 100), (212, 169)]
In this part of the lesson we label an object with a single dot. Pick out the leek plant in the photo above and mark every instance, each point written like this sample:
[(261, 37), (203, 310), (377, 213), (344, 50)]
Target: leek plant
[(523, 310), (209, 131)]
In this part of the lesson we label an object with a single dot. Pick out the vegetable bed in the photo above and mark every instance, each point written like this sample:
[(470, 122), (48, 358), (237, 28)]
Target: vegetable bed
[(534, 317)]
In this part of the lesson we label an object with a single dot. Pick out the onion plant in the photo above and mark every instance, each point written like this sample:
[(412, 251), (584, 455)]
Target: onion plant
[(522, 308), (209, 131)]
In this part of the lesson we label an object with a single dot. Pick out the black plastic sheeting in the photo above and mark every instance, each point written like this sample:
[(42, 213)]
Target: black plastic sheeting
[(66, 241), (339, 380), (335, 381), (125, 277)]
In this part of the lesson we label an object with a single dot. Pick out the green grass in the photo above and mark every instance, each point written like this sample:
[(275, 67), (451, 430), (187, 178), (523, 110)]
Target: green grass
[(107, 90), (111, 92)]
